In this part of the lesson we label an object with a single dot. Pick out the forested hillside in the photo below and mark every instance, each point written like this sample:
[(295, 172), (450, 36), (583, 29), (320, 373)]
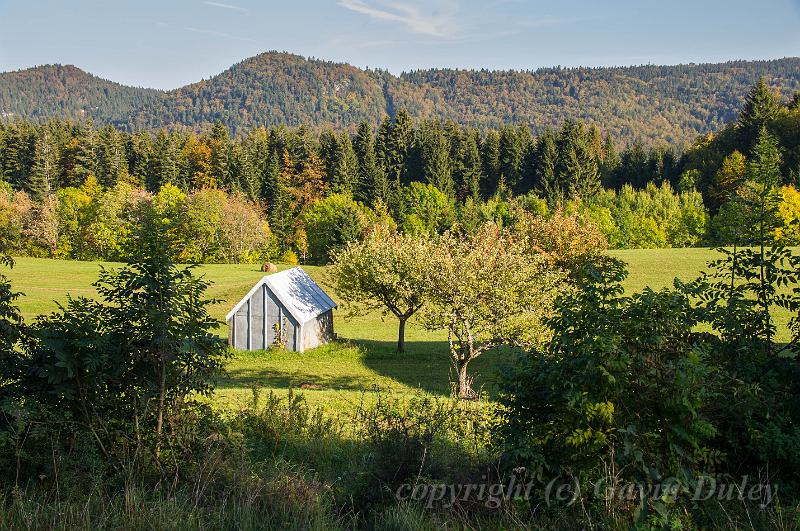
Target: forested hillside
[(654, 104), (55, 91)]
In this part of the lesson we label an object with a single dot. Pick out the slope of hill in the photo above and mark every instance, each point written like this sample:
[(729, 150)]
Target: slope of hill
[(55, 91), (654, 103)]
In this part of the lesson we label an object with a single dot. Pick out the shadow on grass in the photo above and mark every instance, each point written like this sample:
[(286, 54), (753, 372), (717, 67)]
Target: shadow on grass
[(427, 365), (341, 366)]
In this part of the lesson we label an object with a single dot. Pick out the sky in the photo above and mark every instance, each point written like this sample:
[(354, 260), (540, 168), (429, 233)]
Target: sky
[(163, 44)]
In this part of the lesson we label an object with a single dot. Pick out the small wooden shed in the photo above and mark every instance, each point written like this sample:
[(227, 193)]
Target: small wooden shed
[(286, 307)]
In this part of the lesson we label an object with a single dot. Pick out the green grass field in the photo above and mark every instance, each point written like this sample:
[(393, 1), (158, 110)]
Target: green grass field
[(364, 360)]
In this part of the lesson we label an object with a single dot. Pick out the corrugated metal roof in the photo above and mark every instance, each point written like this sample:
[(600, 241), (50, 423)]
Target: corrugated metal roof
[(301, 296)]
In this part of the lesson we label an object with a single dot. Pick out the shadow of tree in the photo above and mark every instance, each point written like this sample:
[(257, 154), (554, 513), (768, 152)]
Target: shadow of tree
[(427, 365), (362, 365)]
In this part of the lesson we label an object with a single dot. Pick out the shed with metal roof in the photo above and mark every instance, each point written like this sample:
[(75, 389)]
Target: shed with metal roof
[(286, 308)]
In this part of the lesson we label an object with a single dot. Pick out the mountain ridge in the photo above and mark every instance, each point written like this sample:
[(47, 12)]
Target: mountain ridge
[(654, 103)]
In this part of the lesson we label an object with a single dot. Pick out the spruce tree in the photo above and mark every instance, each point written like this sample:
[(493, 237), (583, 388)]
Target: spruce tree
[(220, 143), (164, 164), (610, 161), (44, 174), (511, 153), (112, 163), (435, 150), (491, 163), (468, 167), (18, 153), (271, 171), (760, 110), (372, 184), (80, 156), (140, 152), (547, 183), (344, 174)]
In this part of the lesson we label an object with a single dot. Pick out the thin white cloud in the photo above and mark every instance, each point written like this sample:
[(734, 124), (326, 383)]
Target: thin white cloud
[(436, 24), (220, 34), (227, 6)]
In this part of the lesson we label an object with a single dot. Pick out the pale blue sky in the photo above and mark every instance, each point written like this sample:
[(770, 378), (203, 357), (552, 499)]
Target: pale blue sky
[(168, 44)]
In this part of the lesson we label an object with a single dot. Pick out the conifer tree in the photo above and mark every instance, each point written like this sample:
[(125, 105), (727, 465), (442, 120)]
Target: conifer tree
[(372, 184), (164, 164), (44, 174), (344, 175), (547, 183), (468, 167), (610, 160), (112, 163), (511, 153), (80, 156), (491, 163), (18, 154), (219, 141), (760, 109), (140, 151), (435, 151), (281, 219)]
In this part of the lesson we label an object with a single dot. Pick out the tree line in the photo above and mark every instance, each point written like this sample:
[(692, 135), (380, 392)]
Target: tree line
[(420, 177)]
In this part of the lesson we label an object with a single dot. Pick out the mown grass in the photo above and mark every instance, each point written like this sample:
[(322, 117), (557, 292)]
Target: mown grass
[(364, 361)]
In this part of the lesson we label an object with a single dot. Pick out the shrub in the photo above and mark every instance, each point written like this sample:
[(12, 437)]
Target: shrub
[(289, 257), (333, 222), (621, 393), (424, 210)]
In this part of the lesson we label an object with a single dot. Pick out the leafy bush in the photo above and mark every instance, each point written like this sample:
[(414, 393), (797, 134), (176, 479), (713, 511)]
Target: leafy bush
[(424, 210), (621, 394), (333, 222)]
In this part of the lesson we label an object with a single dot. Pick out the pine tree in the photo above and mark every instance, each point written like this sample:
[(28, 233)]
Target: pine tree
[(164, 164), (511, 153), (112, 164), (44, 175), (760, 110), (610, 161), (490, 154), (372, 184), (547, 183), (219, 141), (435, 150), (344, 174)]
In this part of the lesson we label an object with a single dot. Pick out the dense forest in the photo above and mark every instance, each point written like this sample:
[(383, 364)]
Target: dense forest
[(71, 189), (651, 104)]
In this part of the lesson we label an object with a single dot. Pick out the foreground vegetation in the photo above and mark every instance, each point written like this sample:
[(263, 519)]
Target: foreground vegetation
[(275, 461)]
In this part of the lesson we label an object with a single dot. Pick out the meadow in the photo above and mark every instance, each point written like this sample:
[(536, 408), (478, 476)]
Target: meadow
[(364, 360)]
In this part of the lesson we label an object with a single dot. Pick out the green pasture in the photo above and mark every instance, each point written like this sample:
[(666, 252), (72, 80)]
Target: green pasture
[(364, 359)]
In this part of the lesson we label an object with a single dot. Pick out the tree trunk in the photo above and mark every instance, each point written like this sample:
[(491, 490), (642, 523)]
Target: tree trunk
[(401, 335), (161, 395), (465, 391)]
